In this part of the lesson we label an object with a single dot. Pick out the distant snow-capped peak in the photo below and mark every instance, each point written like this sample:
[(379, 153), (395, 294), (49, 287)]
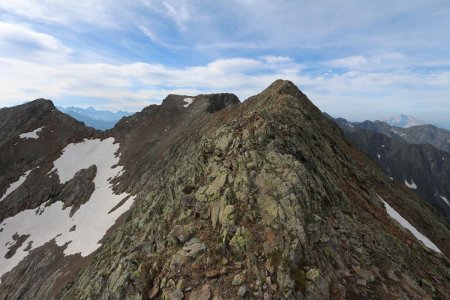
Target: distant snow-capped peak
[(403, 121)]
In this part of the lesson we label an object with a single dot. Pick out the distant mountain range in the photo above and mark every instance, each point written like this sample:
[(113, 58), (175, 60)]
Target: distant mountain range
[(99, 119)]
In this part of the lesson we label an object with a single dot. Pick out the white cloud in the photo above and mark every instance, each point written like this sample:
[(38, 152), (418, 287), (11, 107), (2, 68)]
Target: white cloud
[(381, 61), (154, 38), (17, 41), (68, 13), (178, 12), (132, 86), (236, 24)]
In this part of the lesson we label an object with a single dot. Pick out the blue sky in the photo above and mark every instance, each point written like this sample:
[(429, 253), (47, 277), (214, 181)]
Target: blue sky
[(355, 59)]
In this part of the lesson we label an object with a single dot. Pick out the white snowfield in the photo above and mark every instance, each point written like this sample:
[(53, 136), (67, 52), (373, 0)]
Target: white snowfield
[(411, 185), (13, 186), (188, 101), (32, 134), (405, 224), (92, 219)]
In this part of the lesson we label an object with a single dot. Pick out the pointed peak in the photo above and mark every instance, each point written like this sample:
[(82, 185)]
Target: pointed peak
[(281, 87)]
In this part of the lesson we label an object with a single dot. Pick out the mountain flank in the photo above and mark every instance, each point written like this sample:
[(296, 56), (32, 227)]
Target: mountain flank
[(421, 167)]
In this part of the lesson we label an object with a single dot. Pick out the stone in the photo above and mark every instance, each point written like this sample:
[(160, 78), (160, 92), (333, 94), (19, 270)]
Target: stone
[(365, 274), (201, 293), (153, 291), (312, 275), (183, 232), (194, 247), (267, 296), (238, 279), (176, 295), (190, 250), (181, 285), (214, 190), (269, 266), (361, 282), (179, 259), (212, 273), (242, 291), (391, 275), (324, 239)]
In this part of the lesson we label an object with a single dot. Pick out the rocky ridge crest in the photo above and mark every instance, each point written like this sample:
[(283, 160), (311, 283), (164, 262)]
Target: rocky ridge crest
[(263, 199)]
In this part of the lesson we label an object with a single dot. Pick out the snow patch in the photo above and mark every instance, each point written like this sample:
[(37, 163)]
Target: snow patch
[(92, 219), (411, 185), (405, 224), (83, 155), (188, 101), (445, 200), (379, 156), (397, 133), (13, 186), (32, 134)]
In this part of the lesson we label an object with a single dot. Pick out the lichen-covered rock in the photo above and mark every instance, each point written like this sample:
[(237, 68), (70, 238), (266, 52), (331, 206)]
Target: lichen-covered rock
[(312, 275), (229, 215), (241, 241)]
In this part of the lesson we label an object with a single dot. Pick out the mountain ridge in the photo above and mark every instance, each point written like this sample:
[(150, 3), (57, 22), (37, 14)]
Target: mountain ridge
[(241, 237), (263, 199), (420, 134)]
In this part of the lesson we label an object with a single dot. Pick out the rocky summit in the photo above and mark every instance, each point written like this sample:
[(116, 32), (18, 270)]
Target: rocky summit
[(208, 198)]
